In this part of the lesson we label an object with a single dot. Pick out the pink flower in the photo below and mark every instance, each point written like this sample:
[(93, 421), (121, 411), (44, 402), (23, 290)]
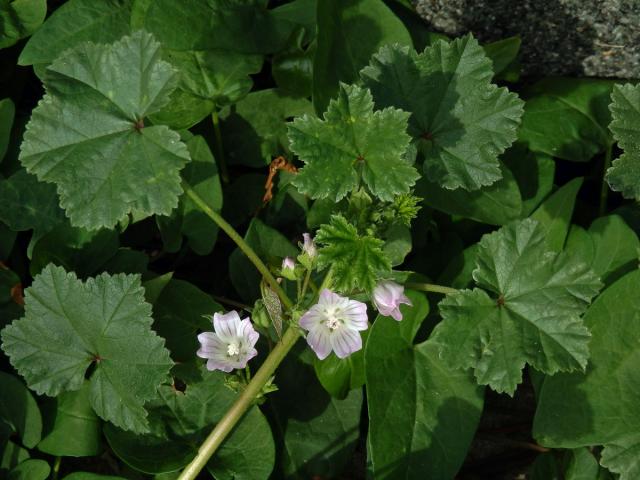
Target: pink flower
[(387, 297), (334, 324), (230, 346), (309, 246), (288, 263)]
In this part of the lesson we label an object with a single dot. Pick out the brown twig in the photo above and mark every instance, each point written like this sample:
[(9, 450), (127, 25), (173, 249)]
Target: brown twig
[(278, 163)]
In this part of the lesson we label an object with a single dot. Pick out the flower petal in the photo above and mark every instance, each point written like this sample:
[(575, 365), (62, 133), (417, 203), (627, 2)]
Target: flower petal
[(210, 344), (355, 315), (320, 342), (344, 342), (215, 364), (312, 318), (226, 325)]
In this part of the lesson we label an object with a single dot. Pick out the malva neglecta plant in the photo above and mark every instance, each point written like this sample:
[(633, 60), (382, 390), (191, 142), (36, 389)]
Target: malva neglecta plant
[(309, 239)]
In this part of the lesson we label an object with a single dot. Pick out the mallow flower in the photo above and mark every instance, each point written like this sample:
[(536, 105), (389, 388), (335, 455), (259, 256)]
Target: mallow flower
[(334, 324), (309, 246), (231, 345), (387, 297)]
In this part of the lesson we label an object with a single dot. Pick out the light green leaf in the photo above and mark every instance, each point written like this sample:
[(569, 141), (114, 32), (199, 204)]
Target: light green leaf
[(357, 261), (70, 325), (601, 406), (349, 32), (71, 426), (422, 414), (349, 142), (19, 19), (532, 315), (19, 411), (460, 121), (496, 204), (567, 117), (31, 469), (181, 420), (87, 134), (255, 129), (26, 203), (77, 21), (554, 215), (318, 433), (202, 174), (624, 174), (7, 110)]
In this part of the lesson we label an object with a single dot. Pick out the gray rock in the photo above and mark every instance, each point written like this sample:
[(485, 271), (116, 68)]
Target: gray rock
[(599, 38)]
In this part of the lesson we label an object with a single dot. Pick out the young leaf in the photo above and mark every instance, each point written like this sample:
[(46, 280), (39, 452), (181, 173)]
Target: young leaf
[(350, 141), (422, 414), (602, 406), (19, 19), (356, 260), (532, 314), (70, 325), (624, 174), (87, 134), (460, 121)]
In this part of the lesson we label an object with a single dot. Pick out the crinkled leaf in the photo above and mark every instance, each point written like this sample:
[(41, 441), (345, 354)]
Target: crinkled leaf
[(356, 260), (19, 411), (74, 22), (70, 325), (87, 134), (624, 174), (19, 19), (530, 315), (181, 420), (7, 110), (459, 120), (188, 219), (26, 203), (601, 407), (422, 414), (567, 117), (350, 142)]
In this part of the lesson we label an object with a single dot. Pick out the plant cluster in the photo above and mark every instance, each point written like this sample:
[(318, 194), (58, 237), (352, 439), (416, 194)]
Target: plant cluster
[(409, 248)]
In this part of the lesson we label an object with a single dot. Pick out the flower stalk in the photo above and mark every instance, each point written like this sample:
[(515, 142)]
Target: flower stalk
[(431, 287)]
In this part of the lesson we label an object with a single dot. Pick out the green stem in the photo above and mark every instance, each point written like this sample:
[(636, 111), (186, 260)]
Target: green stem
[(305, 284), (235, 236), (56, 468), (604, 187), (430, 287), (241, 405), (222, 164)]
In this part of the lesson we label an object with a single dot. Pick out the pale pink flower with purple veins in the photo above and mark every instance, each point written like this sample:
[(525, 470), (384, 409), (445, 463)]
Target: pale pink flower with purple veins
[(387, 297), (334, 324), (309, 246), (232, 343)]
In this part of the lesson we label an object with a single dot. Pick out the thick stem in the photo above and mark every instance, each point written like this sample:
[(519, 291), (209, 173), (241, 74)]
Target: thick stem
[(235, 236), (604, 187), (430, 287), (222, 164), (241, 405)]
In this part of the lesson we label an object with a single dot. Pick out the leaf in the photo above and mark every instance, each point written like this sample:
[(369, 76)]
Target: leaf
[(12, 456), (460, 121), (422, 414), (180, 422), (349, 32), (607, 395), (19, 411), (26, 204), (255, 129), (292, 69), (31, 469), (202, 174), (577, 464), (357, 261), (339, 376), (87, 134), (74, 22), (504, 58), (349, 142), (19, 19), (7, 111), (317, 432), (567, 117), (532, 315), (623, 176), (71, 426), (180, 313), (70, 325), (90, 476), (496, 204), (554, 215)]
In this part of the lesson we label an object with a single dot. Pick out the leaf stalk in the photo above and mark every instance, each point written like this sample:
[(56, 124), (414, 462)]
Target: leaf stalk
[(431, 287)]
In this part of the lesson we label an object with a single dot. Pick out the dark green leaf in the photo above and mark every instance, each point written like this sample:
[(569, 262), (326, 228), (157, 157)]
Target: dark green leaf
[(12, 455), (292, 69), (87, 134), (90, 476), (19, 411), (19, 19), (504, 57), (339, 376), (422, 414), (70, 325), (349, 32), (7, 110), (615, 246), (30, 470), (460, 121)]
